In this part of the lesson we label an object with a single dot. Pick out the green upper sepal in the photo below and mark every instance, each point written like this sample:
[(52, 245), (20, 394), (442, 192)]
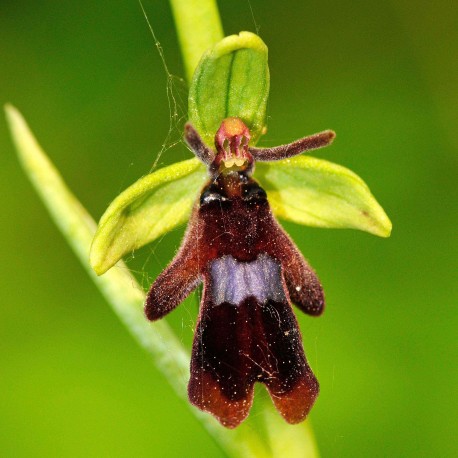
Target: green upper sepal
[(231, 80), (152, 206), (314, 192)]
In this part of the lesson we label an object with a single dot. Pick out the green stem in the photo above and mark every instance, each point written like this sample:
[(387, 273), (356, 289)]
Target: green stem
[(199, 27)]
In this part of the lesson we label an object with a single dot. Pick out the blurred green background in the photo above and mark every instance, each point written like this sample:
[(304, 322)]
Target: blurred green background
[(90, 82)]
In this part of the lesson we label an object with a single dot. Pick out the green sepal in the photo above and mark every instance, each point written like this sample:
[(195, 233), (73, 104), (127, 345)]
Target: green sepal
[(152, 206), (314, 192), (232, 79)]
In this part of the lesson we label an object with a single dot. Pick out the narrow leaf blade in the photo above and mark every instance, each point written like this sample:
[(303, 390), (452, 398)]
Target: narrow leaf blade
[(119, 287), (154, 205), (232, 79), (315, 192)]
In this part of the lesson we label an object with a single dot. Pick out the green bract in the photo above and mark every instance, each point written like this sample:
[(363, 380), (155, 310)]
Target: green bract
[(318, 193), (152, 206), (232, 79)]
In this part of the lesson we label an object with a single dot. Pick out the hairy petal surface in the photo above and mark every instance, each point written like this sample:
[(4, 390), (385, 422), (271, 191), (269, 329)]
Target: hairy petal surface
[(236, 346)]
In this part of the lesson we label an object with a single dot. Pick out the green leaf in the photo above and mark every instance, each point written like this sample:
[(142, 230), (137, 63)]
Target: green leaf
[(154, 205), (318, 193), (232, 79)]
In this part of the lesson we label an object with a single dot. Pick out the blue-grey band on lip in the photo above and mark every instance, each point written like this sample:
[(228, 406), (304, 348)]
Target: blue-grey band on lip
[(234, 281)]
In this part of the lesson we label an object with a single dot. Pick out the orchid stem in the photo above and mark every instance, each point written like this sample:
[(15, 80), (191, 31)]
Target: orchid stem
[(198, 26)]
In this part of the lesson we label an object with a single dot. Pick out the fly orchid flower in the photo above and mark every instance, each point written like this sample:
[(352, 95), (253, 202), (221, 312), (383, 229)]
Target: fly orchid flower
[(251, 270)]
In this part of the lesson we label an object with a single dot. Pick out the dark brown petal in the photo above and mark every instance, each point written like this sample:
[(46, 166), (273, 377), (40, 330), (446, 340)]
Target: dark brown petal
[(238, 345), (303, 285), (205, 393), (291, 383), (292, 149), (294, 405), (180, 278), (200, 149)]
